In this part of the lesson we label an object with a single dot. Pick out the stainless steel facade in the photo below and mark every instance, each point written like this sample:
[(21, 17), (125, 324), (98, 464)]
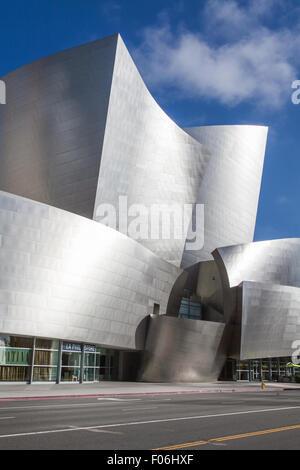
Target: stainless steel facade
[(145, 155), (274, 261), (52, 126), (183, 350), (261, 283), (270, 320), (64, 276), (230, 187), (79, 130)]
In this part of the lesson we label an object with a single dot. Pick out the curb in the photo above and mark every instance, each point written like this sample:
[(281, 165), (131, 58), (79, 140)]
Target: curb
[(112, 395)]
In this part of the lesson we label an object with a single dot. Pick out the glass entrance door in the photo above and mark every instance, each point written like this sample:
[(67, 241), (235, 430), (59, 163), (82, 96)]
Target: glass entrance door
[(255, 371), (242, 371)]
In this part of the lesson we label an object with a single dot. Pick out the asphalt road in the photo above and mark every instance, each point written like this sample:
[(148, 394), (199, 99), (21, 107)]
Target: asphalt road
[(220, 421)]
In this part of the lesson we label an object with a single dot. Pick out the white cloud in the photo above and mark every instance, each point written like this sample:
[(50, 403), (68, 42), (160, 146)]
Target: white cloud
[(258, 65), (230, 18)]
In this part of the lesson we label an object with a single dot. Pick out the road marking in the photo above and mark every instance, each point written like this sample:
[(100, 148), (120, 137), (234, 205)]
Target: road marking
[(154, 421), (138, 408), (228, 438), (52, 406), (168, 399), (97, 430), (8, 417), (105, 431), (120, 399)]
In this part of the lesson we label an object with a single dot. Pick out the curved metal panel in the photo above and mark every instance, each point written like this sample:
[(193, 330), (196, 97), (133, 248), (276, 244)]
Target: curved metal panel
[(183, 350), (270, 320), (52, 127), (71, 111), (146, 156), (64, 276), (274, 261), (230, 187)]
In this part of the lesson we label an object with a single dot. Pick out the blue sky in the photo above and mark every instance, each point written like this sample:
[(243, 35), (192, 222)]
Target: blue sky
[(206, 62)]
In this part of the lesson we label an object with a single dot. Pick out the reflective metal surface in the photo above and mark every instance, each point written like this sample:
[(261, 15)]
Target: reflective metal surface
[(87, 109), (183, 350), (261, 283), (275, 261), (80, 129), (270, 320), (64, 276), (230, 187), (52, 126), (146, 156)]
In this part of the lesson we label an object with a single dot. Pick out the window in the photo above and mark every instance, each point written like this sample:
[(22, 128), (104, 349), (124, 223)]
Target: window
[(14, 374), (15, 358), (156, 308)]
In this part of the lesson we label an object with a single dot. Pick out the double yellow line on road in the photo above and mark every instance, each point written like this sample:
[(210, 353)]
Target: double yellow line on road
[(228, 438)]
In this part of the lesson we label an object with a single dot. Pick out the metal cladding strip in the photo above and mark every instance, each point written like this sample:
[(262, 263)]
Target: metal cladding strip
[(80, 129), (230, 187), (270, 320), (180, 349), (65, 276), (147, 157), (84, 110), (266, 305), (273, 261), (52, 126)]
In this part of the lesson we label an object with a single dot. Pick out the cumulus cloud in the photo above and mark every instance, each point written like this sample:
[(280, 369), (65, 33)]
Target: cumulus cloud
[(230, 19), (254, 63)]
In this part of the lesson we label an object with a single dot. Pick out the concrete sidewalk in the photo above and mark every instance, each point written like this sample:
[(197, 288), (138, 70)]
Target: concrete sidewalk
[(35, 391)]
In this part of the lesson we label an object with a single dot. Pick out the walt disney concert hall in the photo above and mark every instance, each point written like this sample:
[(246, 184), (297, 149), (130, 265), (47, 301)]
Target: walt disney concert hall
[(81, 301)]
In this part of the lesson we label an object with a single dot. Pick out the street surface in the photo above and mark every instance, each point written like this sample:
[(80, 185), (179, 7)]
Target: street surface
[(215, 421)]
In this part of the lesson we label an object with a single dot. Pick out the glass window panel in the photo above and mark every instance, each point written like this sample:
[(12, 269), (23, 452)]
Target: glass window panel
[(105, 374), (89, 374), (104, 361), (89, 360), (97, 360), (46, 358), (41, 343), (71, 358), (15, 356), (70, 374), (101, 350), (243, 365), (47, 374), (15, 341), (112, 372), (14, 374)]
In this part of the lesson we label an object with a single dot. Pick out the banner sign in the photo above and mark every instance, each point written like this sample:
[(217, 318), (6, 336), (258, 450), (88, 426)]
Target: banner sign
[(71, 347)]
